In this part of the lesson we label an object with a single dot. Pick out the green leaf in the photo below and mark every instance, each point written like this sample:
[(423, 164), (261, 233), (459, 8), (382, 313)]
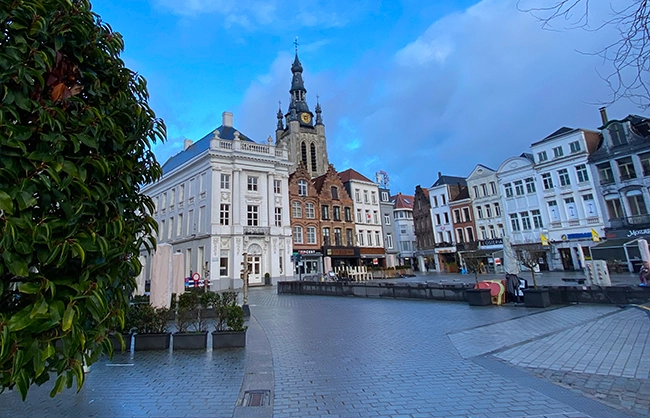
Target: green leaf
[(6, 204), (59, 385), (29, 288), (68, 316), (17, 265), (25, 200)]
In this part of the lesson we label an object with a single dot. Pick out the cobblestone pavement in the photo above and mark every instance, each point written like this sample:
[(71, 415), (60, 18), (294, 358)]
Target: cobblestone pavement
[(608, 359), (142, 384), (357, 357)]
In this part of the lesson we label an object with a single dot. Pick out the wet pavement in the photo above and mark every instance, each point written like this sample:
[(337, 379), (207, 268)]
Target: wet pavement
[(356, 357)]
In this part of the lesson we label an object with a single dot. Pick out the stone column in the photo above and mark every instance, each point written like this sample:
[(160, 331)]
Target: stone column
[(161, 276)]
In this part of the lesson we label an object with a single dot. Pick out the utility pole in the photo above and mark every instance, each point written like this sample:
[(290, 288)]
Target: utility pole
[(244, 276)]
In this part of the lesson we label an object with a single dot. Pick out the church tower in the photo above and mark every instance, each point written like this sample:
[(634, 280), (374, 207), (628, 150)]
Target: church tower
[(298, 131)]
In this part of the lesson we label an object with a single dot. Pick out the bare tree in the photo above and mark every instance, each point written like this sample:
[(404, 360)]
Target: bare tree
[(472, 259), (528, 255), (628, 53)]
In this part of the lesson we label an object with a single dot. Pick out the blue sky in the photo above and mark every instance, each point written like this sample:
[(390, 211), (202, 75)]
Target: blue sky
[(409, 87)]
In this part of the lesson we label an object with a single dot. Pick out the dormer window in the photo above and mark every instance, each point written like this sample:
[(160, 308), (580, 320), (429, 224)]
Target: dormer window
[(618, 134)]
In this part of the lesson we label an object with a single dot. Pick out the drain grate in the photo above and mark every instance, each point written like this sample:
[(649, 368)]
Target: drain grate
[(256, 398)]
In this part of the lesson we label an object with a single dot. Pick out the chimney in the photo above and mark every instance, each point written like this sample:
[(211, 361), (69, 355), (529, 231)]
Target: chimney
[(226, 119), (186, 144), (439, 174), (603, 115)]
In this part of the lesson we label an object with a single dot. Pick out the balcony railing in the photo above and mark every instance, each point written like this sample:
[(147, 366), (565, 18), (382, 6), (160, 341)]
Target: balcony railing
[(606, 181), (630, 221), (256, 230), (628, 176)]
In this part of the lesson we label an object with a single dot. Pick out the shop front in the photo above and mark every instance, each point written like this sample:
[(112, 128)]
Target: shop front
[(340, 257), (372, 257), (621, 249)]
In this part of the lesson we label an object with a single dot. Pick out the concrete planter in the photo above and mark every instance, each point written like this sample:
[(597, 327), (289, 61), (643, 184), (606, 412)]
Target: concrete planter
[(190, 340), (228, 339), (151, 341), (117, 346), (536, 298), (478, 297)]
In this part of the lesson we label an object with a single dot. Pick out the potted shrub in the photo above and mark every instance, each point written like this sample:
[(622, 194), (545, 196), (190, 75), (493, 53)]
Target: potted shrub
[(190, 326), (529, 255), (150, 326), (229, 328), (476, 296)]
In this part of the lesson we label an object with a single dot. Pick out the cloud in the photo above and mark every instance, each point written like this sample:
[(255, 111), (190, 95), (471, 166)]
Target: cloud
[(475, 87), (249, 14)]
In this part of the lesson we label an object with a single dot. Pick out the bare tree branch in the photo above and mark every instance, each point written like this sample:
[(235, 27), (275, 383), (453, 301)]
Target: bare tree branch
[(628, 54)]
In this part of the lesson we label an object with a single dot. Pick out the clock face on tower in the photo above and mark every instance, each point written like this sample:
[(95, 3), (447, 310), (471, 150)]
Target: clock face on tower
[(305, 117)]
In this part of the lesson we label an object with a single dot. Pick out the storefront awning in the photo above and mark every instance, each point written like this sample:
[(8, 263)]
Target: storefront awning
[(613, 243)]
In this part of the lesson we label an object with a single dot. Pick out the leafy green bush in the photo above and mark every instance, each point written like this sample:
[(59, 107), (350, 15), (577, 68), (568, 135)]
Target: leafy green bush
[(75, 148), (187, 315)]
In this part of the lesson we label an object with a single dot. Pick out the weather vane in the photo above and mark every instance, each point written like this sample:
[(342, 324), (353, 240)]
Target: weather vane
[(295, 43)]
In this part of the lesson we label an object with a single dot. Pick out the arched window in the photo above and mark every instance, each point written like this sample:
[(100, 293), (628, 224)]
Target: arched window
[(313, 157), (303, 151)]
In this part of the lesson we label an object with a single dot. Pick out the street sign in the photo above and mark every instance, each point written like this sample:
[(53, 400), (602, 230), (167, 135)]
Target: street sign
[(196, 277)]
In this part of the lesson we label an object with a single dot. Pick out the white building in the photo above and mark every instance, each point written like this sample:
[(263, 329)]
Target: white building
[(367, 212), (525, 217), (404, 228), (223, 196), (568, 194), (483, 188)]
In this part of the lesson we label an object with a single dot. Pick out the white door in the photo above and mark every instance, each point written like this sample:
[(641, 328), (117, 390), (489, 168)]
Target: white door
[(255, 276)]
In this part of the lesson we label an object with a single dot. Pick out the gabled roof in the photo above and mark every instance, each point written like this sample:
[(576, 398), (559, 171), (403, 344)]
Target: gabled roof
[(351, 174), (201, 146), (401, 201), (562, 131), (452, 180)]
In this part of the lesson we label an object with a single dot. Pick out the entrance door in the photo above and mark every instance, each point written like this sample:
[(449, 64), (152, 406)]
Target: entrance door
[(567, 260), (255, 276)]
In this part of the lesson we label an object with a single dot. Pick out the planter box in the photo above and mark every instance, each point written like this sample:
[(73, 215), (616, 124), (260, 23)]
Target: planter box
[(151, 341), (117, 347), (536, 298), (190, 340), (478, 297), (227, 339)]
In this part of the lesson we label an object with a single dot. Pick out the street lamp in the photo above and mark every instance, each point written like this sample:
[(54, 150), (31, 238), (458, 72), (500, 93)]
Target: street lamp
[(246, 268)]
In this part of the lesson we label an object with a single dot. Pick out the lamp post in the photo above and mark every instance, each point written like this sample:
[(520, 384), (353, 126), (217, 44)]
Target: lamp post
[(244, 276)]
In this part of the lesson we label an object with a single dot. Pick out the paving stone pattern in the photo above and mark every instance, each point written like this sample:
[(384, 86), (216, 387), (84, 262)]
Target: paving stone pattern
[(143, 384), (485, 339), (354, 357), (367, 357)]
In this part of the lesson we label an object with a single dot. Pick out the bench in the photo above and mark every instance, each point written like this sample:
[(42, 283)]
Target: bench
[(573, 279)]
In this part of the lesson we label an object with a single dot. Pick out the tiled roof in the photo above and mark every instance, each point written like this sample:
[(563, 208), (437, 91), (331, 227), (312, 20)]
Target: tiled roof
[(401, 201), (351, 174), (464, 194), (201, 146), (452, 180), (562, 131)]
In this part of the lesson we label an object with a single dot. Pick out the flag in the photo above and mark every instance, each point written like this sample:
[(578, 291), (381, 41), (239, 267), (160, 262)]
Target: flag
[(544, 239), (594, 235)]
